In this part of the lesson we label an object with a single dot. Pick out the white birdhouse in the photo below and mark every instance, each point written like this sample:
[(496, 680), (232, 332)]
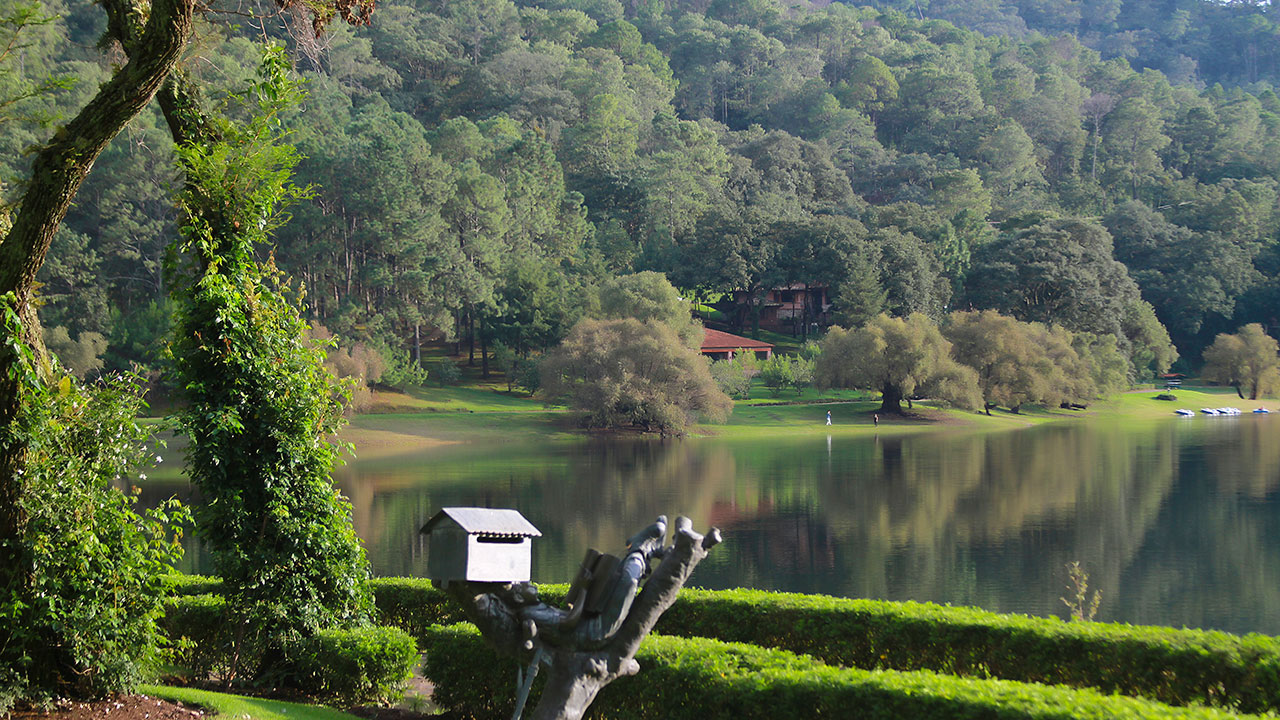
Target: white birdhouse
[(479, 545)]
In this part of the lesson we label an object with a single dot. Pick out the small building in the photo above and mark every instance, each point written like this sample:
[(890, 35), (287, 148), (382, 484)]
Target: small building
[(722, 345), (479, 545), (787, 309)]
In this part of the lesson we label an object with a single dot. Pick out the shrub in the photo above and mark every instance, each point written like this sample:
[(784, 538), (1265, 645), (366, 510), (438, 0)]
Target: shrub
[(1167, 396), (704, 679), (202, 634), (1173, 666), (628, 373), (778, 374), (447, 372), (349, 665), (354, 666), (83, 580), (413, 605)]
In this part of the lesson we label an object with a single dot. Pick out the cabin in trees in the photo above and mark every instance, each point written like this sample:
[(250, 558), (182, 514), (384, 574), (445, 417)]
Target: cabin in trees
[(722, 345), (792, 309), (479, 545)]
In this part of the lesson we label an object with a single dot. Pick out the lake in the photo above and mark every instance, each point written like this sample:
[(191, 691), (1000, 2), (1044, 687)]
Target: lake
[(1177, 522)]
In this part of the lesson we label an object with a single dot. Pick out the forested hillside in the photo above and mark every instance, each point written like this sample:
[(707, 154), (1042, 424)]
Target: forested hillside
[(478, 166), (1233, 43)]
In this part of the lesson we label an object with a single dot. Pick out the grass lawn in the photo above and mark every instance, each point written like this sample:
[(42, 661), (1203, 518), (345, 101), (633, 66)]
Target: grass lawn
[(238, 706)]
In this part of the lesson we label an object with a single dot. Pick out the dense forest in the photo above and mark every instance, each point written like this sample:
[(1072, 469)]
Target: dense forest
[(478, 168)]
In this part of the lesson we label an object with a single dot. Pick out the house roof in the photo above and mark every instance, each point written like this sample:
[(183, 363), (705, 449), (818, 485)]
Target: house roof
[(716, 341), (485, 521)]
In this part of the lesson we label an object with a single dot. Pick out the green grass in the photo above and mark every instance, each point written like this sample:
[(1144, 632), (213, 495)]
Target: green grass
[(476, 397), (248, 708)]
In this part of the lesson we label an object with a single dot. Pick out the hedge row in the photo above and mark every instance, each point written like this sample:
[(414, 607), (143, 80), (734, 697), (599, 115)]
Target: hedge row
[(346, 667), (1180, 667), (703, 679)]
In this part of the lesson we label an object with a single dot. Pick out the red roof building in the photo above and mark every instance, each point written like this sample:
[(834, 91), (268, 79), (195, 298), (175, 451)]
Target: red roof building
[(722, 345)]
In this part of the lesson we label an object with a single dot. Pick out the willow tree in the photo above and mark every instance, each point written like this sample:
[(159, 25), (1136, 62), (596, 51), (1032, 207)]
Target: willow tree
[(899, 357), (1243, 359)]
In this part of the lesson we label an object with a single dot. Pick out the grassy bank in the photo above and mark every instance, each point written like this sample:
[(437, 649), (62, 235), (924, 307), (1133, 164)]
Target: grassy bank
[(441, 418)]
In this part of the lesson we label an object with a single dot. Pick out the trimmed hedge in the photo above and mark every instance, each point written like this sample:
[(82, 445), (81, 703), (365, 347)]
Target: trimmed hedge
[(201, 636), (352, 666), (1180, 667), (703, 679)]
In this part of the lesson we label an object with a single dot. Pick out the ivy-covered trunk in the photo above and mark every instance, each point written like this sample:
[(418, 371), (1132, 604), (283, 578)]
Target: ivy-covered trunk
[(261, 407)]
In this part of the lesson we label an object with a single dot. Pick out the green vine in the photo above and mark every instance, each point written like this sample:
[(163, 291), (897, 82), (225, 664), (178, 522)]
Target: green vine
[(261, 407)]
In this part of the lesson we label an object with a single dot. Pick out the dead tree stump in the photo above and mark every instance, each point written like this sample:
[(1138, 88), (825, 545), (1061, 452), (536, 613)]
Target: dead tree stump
[(581, 650)]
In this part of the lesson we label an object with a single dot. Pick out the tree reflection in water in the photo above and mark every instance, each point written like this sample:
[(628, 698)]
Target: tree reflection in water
[(1176, 522)]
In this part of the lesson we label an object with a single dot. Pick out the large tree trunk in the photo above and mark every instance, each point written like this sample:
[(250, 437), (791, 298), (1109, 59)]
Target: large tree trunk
[(891, 399), (56, 175)]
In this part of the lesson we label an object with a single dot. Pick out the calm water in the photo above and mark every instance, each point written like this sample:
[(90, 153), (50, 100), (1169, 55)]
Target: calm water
[(1177, 522)]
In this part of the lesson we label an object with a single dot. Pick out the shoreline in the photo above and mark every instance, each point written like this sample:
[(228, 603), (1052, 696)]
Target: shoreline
[(458, 419)]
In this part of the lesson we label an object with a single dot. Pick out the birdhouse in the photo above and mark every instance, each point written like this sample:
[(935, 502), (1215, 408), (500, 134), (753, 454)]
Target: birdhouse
[(479, 545)]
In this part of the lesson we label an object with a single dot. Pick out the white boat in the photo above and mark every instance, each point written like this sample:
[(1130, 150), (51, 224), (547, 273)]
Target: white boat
[(1209, 411), (1228, 411), (1183, 412), (1261, 411)]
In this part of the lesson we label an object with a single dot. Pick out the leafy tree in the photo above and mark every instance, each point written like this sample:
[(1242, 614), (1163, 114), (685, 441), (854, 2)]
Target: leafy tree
[(1246, 358), (648, 297), (1188, 276), (910, 275), (1110, 369), (261, 408), (1057, 272), (898, 357), (1011, 367), (85, 589), (629, 373), (860, 297), (732, 378), (777, 373), (82, 355), (870, 87), (802, 372), (1150, 350)]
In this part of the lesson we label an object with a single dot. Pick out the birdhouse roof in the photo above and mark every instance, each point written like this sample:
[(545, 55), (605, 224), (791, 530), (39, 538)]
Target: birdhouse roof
[(485, 521)]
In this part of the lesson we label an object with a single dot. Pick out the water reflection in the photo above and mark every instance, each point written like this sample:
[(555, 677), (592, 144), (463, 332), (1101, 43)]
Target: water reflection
[(1176, 522)]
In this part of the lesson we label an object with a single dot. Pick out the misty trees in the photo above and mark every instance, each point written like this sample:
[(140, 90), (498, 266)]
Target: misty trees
[(1245, 359), (899, 357)]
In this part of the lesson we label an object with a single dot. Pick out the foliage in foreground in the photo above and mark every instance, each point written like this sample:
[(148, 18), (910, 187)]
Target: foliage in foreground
[(1175, 666), (342, 665), (261, 407), (699, 679), (79, 610)]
